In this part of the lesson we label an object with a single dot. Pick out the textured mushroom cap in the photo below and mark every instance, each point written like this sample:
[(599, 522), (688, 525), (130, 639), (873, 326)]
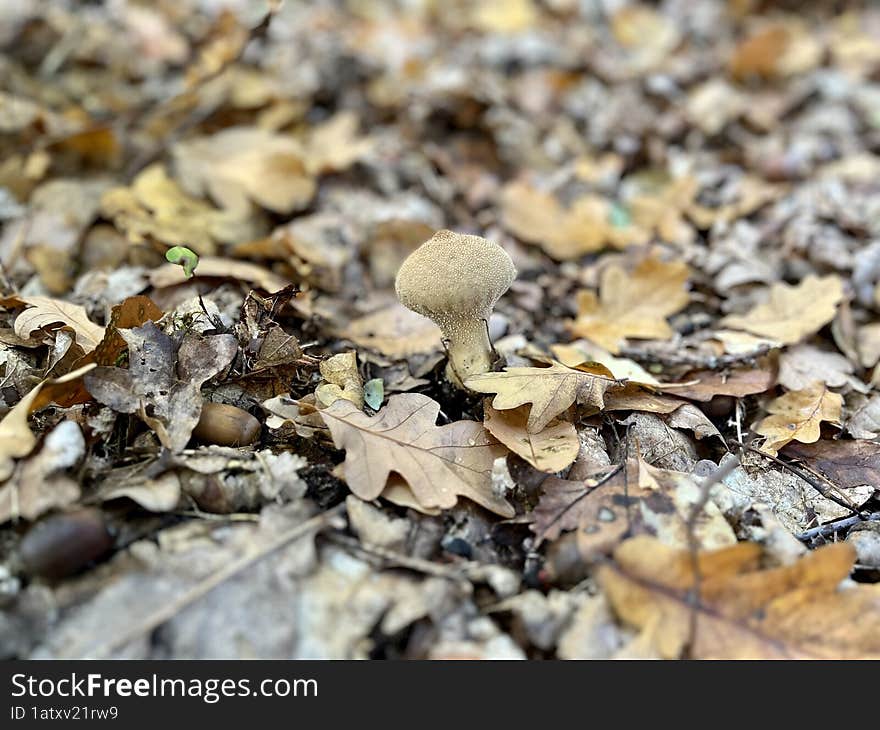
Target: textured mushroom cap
[(453, 276)]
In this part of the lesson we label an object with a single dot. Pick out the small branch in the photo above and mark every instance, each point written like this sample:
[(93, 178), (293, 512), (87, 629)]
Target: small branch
[(703, 362), (204, 587), (801, 474), (830, 528), (693, 546)]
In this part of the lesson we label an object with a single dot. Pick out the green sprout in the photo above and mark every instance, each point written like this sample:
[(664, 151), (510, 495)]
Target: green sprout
[(183, 256)]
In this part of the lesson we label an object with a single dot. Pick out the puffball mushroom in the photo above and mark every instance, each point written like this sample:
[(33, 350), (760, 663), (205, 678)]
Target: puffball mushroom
[(455, 280)]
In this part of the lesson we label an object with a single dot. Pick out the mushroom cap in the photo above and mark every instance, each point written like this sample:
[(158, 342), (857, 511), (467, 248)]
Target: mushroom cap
[(453, 276)]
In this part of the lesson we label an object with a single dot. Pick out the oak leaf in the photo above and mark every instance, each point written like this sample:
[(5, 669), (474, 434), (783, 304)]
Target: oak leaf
[(792, 311), (793, 611), (551, 390), (632, 305), (797, 416), (564, 234), (552, 449), (45, 311), (439, 463)]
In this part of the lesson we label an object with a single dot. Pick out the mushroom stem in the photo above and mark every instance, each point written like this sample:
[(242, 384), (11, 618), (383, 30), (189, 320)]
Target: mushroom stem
[(469, 349)]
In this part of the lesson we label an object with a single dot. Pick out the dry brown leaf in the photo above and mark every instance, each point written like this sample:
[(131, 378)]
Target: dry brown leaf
[(795, 611), (551, 390), (342, 380), (704, 385), (45, 312), (632, 305), (155, 207), (439, 463), (172, 274), (395, 331), (845, 463), (334, 145), (797, 416), (792, 311), (550, 450), (239, 164), (537, 217), (581, 352), (16, 438)]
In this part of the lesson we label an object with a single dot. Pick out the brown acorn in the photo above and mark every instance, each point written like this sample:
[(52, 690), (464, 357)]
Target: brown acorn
[(226, 425), (63, 544)]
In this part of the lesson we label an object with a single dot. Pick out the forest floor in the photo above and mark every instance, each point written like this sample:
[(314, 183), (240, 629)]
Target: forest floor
[(676, 453)]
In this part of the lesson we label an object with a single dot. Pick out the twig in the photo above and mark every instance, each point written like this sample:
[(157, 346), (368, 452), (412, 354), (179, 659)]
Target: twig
[(457, 574), (693, 546), (201, 589), (801, 474), (707, 362), (829, 528)]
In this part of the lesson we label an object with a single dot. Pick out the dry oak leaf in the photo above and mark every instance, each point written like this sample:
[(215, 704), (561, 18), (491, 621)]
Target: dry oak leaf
[(845, 463), (551, 390), (550, 450), (797, 415), (537, 217), (632, 305), (45, 311), (794, 611), (792, 311), (439, 463), (240, 164), (16, 438), (395, 331)]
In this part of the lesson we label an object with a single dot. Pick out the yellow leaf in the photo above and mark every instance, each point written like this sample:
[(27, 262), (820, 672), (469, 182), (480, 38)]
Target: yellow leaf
[(792, 311), (632, 305), (537, 217), (743, 612), (550, 390), (550, 450), (45, 311), (797, 415)]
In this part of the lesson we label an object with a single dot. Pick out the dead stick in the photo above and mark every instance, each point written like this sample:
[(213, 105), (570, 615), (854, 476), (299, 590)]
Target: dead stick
[(201, 589), (829, 528)]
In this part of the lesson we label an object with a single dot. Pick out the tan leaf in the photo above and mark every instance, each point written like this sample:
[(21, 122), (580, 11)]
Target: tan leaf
[(342, 380), (45, 311), (537, 217), (240, 164), (580, 352), (792, 311), (16, 438), (394, 331), (172, 274), (550, 450), (632, 305), (794, 611), (706, 384), (551, 390), (797, 415), (155, 207), (334, 145), (439, 463)]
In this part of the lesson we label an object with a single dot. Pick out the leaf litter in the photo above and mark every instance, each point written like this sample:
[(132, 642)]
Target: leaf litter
[(665, 441)]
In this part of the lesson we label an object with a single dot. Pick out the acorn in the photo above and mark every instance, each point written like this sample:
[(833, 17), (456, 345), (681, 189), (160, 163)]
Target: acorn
[(226, 425), (63, 544)]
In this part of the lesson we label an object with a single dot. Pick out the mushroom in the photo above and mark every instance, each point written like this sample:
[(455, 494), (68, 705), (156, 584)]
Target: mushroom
[(455, 280)]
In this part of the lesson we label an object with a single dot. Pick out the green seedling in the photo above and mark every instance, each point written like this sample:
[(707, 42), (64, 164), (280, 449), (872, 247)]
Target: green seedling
[(185, 257)]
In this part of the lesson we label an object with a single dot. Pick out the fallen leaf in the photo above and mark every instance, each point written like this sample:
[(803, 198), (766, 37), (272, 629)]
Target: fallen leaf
[(581, 352), (550, 450), (744, 612), (845, 463), (334, 145), (342, 381), (802, 365), (155, 207), (632, 305), (44, 312), (864, 423), (221, 268), (239, 164), (792, 311), (537, 217), (551, 390), (704, 385), (166, 398), (439, 463), (797, 415), (395, 331), (16, 438)]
